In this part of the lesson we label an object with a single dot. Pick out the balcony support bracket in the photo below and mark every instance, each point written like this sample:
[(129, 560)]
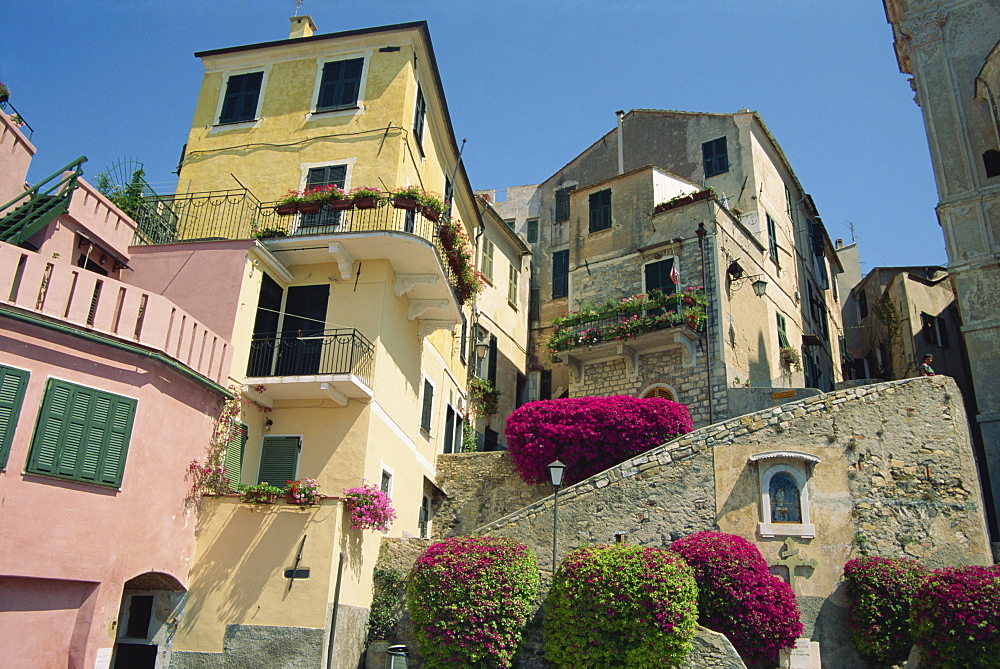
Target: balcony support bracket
[(344, 260), (631, 357), (689, 339), (419, 307), (332, 393), (427, 326), (577, 367), (251, 393), (407, 282)]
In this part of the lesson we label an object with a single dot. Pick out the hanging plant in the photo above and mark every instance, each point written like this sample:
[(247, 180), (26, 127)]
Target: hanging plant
[(790, 359), (371, 509), (484, 396)]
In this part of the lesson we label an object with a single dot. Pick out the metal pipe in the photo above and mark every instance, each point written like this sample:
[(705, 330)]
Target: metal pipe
[(555, 527), (621, 141)]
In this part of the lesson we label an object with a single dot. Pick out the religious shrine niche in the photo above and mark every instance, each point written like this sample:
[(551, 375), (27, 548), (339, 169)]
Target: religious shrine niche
[(784, 493)]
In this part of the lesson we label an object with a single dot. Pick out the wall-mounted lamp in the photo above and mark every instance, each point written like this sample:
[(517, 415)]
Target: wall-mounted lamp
[(482, 348), (267, 424), (736, 275)]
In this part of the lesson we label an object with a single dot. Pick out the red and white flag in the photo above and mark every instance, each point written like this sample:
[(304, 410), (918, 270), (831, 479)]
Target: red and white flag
[(674, 276)]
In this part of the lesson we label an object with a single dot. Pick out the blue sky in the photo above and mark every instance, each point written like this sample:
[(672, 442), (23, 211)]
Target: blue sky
[(529, 84)]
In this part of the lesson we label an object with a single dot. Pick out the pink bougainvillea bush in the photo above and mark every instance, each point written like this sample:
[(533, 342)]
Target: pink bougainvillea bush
[(955, 618), (469, 598), (739, 597), (620, 606), (878, 605), (589, 434)]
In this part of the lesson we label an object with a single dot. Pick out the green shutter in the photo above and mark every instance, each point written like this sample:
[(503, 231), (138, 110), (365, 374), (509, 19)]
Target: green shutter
[(782, 332), (234, 452), (13, 383), (82, 434), (425, 416), (278, 458)]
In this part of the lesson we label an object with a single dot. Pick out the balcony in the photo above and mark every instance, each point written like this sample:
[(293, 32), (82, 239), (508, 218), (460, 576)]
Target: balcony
[(335, 364), (629, 328), (408, 240)]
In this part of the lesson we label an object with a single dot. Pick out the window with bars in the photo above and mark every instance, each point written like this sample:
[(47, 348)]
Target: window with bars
[(340, 85), (242, 94), (82, 434), (715, 157), (600, 210), (13, 383)]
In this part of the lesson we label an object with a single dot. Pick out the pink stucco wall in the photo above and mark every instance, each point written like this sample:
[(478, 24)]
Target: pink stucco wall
[(202, 278), (69, 544), (15, 156)]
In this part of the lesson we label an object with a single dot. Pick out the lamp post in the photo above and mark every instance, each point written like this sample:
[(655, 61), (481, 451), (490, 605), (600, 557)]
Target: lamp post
[(556, 471)]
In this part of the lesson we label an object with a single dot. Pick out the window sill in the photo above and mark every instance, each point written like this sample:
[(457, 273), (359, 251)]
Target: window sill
[(806, 531), (333, 112), (239, 125), (596, 232), (102, 487)]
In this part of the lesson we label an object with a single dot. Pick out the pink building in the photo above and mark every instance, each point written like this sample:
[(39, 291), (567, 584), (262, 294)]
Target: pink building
[(108, 390)]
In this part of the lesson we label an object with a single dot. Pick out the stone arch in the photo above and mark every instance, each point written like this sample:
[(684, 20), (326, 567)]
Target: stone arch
[(661, 390)]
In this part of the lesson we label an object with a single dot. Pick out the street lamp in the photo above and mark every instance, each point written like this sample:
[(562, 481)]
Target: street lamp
[(556, 471)]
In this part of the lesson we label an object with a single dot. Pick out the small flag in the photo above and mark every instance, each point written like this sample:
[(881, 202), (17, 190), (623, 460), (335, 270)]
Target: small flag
[(674, 276)]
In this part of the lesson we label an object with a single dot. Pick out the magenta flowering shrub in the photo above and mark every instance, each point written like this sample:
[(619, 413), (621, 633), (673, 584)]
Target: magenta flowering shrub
[(371, 509), (589, 434), (739, 597), (955, 617), (469, 598), (620, 606), (878, 605)]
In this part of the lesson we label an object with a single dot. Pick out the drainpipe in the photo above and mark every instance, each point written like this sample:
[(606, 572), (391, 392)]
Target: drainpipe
[(621, 142), (701, 232)]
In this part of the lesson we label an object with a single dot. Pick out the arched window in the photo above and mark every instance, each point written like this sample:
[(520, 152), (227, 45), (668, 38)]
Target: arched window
[(660, 390), (784, 493)]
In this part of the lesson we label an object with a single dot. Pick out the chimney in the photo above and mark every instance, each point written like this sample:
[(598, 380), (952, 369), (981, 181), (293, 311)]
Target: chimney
[(302, 26), (840, 243), (621, 141)]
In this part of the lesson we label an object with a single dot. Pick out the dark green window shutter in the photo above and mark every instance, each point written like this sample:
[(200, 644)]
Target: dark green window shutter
[(782, 332), (600, 210), (13, 383), (560, 274), (82, 434), (532, 230), (715, 157), (340, 85), (491, 366), (562, 204), (419, 113), (425, 415), (234, 452), (240, 103), (278, 459)]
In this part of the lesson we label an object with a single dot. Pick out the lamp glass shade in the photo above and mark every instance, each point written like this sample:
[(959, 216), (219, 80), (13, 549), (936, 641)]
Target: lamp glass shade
[(556, 471), (482, 348), (759, 286)]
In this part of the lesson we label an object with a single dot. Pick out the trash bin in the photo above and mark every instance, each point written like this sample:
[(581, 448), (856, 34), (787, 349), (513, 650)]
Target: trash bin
[(397, 657)]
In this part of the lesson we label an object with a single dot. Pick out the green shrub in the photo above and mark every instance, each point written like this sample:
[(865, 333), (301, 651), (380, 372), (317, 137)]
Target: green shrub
[(620, 606), (878, 605), (387, 600), (469, 598)]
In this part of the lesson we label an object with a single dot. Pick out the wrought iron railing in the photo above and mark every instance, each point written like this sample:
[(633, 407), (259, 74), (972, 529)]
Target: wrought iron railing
[(10, 110), (340, 351), (237, 214), (624, 326)]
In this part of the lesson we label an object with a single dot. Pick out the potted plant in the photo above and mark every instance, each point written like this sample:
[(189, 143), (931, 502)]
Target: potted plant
[(268, 233), (433, 207), (371, 509), (289, 204), (16, 120), (262, 493), (406, 198), (302, 492), (790, 358), (366, 197), (4, 92)]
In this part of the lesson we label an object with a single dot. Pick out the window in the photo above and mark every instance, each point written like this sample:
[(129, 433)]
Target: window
[(782, 332), (772, 238), (991, 161), (545, 385), (532, 230), (492, 440), (235, 448), (600, 210), (715, 158), (862, 304), (428, 407), (512, 286), (385, 485), (327, 175), (419, 114), (935, 330), (659, 276), (449, 429), (660, 391), (340, 85), (423, 520), (82, 434), (784, 493), (463, 343), (240, 101), (279, 460), (562, 204), (560, 274), (510, 222), (535, 304), (13, 383), (488, 260)]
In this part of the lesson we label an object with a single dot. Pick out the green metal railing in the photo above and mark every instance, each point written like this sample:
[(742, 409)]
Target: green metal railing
[(11, 110), (35, 208)]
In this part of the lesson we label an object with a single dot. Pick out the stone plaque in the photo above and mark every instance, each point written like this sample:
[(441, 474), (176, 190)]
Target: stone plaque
[(103, 659), (781, 394), (803, 655)]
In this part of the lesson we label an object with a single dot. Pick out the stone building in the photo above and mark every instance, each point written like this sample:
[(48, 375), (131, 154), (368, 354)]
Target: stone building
[(672, 201), (950, 49)]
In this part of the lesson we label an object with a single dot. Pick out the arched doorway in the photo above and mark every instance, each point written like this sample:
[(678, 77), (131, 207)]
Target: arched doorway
[(150, 602)]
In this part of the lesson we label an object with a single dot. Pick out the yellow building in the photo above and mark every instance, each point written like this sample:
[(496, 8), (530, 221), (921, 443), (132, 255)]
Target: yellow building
[(347, 326)]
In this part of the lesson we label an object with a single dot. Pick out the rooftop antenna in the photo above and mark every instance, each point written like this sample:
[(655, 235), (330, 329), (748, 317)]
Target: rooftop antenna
[(298, 3), (850, 224)]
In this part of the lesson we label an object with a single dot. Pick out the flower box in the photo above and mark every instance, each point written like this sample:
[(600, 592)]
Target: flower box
[(407, 203), (286, 209), (431, 214), (341, 205), (309, 207), (366, 202)]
